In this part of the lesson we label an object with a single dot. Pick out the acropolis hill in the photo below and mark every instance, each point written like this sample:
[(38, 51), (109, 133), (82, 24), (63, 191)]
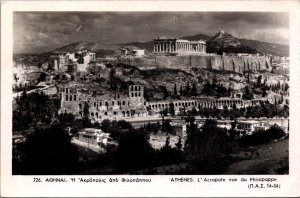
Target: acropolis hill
[(184, 54)]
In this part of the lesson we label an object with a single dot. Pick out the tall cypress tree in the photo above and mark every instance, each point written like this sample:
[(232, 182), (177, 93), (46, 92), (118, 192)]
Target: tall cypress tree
[(166, 93), (181, 92), (187, 90), (175, 90), (194, 90)]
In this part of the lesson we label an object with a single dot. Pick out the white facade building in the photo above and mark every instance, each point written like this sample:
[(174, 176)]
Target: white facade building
[(93, 136)]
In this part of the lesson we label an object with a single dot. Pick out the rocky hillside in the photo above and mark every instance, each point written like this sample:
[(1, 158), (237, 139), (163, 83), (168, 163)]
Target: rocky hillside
[(225, 42), (158, 81), (223, 39), (99, 48), (270, 48)]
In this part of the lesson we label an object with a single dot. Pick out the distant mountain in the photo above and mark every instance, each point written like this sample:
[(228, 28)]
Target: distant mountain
[(197, 37), (270, 48), (99, 48), (220, 39), (224, 40)]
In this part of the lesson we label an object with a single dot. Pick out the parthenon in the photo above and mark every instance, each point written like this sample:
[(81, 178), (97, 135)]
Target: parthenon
[(174, 45)]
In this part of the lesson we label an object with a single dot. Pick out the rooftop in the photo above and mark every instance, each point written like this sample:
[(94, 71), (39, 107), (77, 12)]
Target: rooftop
[(248, 122)]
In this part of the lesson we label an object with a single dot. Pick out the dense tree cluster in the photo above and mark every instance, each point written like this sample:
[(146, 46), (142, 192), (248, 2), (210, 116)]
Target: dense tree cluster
[(213, 89), (115, 128), (33, 108), (134, 151), (46, 151), (263, 136), (205, 146), (248, 94)]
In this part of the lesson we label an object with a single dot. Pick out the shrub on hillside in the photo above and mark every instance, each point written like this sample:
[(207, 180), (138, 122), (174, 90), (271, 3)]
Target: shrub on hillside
[(263, 136)]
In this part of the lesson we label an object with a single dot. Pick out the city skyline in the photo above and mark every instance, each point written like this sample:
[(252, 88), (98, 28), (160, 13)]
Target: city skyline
[(38, 32)]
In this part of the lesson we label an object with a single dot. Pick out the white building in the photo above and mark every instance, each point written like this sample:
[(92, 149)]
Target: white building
[(93, 136), (250, 126)]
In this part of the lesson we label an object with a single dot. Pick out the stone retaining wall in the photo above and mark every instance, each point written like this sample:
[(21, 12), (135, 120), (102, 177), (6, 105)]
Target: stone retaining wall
[(228, 63)]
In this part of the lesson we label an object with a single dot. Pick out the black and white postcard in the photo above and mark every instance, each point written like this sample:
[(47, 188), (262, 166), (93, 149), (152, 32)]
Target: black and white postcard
[(162, 98)]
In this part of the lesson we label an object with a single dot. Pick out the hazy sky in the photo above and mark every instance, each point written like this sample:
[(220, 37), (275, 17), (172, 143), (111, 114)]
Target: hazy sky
[(37, 32)]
